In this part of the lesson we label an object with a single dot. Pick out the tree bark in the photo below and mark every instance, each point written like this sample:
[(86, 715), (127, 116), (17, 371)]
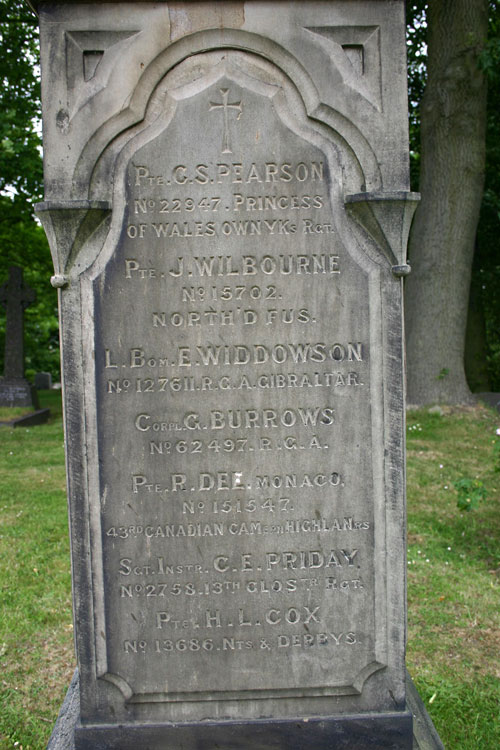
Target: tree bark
[(441, 248)]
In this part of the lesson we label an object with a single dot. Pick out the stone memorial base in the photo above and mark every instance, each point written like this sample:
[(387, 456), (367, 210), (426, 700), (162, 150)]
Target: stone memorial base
[(374, 732), (17, 392)]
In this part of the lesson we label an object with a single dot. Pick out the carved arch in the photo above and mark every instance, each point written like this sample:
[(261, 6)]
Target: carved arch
[(183, 81), (344, 132)]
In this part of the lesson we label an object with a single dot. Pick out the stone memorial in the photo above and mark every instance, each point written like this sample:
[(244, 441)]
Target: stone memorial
[(15, 296), (227, 202)]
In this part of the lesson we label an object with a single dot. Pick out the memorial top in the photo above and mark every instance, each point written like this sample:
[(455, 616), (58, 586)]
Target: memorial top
[(101, 66)]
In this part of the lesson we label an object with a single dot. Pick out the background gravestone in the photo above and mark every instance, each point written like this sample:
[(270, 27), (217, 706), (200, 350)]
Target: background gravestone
[(227, 206), (43, 380), (15, 296)]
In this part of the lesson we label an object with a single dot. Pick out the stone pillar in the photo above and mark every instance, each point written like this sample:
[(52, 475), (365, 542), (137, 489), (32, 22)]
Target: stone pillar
[(227, 203)]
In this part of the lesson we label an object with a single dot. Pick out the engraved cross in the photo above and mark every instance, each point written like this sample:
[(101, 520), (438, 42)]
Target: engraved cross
[(225, 105)]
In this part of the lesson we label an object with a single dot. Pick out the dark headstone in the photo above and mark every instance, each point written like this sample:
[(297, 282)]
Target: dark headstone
[(43, 380), (15, 296)]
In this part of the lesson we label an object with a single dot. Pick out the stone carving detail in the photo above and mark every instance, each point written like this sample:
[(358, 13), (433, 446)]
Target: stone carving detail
[(227, 208), (226, 105), (386, 218), (68, 226), (86, 62), (356, 52), (94, 159), (285, 178)]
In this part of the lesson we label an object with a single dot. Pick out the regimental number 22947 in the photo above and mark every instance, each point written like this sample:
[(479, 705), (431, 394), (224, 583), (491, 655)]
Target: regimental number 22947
[(174, 205)]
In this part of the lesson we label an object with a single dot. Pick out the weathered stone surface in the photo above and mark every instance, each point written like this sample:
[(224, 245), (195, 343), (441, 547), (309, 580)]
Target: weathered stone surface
[(63, 734), (227, 206), (425, 736)]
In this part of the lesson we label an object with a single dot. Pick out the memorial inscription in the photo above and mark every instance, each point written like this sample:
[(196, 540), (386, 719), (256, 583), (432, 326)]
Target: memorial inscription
[(229, 264), (226, 407)]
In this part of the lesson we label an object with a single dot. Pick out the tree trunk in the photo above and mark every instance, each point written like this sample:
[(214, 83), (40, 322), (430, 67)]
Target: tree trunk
[(441, 248)]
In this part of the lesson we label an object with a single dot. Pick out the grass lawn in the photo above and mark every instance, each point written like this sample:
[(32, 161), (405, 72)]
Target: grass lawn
[(36, 632), (453, 578), (454, 574), (12, 412)]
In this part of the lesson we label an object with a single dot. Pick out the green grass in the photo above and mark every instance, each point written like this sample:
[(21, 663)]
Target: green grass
[(36, 639), (453, 575), (7, 413), (453, 578)]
